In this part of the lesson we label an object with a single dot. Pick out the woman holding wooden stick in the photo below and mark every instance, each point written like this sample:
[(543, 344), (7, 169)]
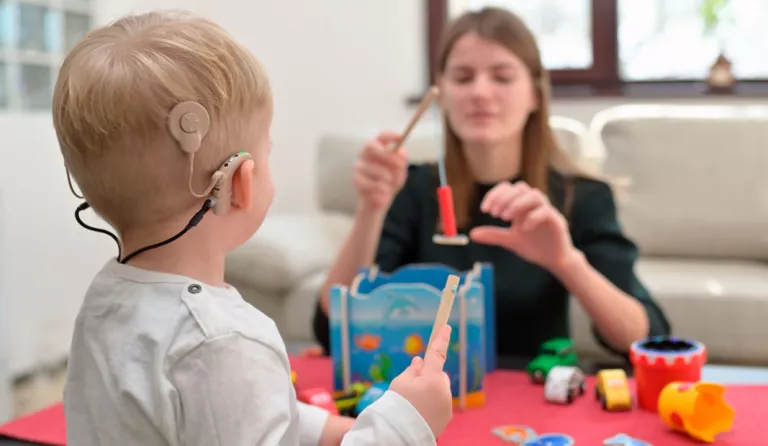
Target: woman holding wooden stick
[(549, 230)]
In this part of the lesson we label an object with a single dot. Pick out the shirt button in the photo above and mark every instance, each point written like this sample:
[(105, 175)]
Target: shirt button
[(194, 288)]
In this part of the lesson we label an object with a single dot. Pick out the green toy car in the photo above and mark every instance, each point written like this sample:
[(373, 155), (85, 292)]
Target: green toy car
[(554, 352)]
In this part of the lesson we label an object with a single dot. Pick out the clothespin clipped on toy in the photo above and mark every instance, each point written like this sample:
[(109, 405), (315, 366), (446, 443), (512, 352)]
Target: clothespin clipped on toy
[(450, 235)]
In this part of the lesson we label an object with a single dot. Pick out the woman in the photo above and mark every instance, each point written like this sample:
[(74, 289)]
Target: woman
[(548, 233)]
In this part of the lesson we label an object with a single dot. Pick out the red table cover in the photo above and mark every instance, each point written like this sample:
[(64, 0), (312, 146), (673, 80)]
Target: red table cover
[(511, 399), (44, 427)]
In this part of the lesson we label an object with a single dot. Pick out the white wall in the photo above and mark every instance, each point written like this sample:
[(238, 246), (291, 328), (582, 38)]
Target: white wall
[(324, 58), (336, 65)]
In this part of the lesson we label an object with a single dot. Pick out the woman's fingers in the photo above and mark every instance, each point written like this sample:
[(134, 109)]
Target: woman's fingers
[(501, 196), (520, 205)]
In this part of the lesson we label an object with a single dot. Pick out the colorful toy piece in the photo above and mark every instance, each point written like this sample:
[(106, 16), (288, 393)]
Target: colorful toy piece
[(697, 409), (450, 235), (624, 440), (612, 390), (514, 433), (320, 398), (554, 352), (550, 440), (564, 384), (370, 396), (660, 360), (346, 401), (293, 377)]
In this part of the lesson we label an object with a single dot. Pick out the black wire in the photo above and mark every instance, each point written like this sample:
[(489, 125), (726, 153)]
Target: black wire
[(208, 204), (85, 206), (192, 223)]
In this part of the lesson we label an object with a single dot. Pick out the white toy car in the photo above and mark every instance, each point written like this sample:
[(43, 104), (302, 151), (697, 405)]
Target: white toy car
[(564, 384)]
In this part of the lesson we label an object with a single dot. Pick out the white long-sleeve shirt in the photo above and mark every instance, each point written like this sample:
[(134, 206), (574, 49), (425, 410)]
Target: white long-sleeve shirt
[(163, 360)]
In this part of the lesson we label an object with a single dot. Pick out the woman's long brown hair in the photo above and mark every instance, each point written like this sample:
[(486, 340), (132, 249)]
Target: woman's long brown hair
[(539, 144)]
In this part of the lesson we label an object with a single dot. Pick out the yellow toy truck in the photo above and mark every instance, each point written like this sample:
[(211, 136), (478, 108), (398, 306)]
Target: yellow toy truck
[(612, 390)]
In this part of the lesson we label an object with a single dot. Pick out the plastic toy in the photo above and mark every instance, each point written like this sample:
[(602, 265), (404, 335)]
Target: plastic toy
[(624, 440), (660, 360), (514, 433), (612, 390), (293, 377), (382, 321), (318, 397), (550, 440), (564, 384), (557, 351), (697, 409), (346, 401), (370, 396)]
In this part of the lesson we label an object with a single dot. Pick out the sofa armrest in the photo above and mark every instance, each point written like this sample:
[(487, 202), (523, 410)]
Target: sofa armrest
[(286, 249)]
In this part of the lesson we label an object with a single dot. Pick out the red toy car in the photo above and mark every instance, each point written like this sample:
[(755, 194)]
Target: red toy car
[(319, 397)]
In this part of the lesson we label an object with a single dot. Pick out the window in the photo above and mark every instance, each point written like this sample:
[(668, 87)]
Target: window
[(562, 28), (665, 40), (626, 46), (34, 36)]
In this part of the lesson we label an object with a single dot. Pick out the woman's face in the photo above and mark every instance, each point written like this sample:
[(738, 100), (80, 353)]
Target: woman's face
[(487, 91)]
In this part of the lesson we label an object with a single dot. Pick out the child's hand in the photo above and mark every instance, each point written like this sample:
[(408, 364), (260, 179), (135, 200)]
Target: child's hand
[(426, 386)]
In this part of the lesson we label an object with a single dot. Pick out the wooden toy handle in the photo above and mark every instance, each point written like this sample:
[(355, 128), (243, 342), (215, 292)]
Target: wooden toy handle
[(423, 106), (446, 304), (447, 213)]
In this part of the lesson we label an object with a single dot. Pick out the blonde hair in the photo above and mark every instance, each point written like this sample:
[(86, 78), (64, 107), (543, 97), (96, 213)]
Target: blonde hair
[(540, 148), (113, 95)]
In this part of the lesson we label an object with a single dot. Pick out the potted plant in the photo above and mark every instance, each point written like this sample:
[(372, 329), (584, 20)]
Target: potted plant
[(712, 12)]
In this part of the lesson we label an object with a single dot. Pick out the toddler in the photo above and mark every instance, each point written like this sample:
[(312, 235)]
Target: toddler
[(163, 122)]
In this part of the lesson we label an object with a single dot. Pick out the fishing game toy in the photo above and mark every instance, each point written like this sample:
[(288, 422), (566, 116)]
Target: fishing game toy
[(450, 235), (382, 321)]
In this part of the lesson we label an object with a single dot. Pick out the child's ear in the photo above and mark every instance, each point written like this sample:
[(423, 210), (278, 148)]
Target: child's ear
[(242, 183)]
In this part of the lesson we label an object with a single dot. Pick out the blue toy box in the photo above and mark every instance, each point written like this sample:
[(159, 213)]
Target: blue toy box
[(382, 321)]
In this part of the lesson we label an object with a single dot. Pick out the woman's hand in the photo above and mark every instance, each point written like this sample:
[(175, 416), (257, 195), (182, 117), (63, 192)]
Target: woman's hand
[(539, 232), (379, 172)]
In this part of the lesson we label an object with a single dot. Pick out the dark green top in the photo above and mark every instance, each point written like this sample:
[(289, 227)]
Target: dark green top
[(531, 304)]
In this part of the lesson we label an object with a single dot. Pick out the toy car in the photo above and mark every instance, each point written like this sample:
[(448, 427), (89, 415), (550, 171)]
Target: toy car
[(612, 390), (564, 384), (554, 352)]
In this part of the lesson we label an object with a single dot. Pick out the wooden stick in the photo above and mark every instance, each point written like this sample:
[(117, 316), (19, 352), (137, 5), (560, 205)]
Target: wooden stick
[(346, 360), (463, 348), (446, 304), (425, 101)]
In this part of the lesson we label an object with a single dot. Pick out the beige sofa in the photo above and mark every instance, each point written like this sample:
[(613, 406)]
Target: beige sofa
[(702, 247), (697, 206)]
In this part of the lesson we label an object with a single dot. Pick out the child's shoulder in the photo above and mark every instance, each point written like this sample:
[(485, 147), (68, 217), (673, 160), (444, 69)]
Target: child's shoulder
[(174, 310)]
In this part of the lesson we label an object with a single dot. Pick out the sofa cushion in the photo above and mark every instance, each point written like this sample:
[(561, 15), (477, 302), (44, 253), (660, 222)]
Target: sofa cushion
[(722, 304), (286, 249), (337, 154), (697, 178)]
